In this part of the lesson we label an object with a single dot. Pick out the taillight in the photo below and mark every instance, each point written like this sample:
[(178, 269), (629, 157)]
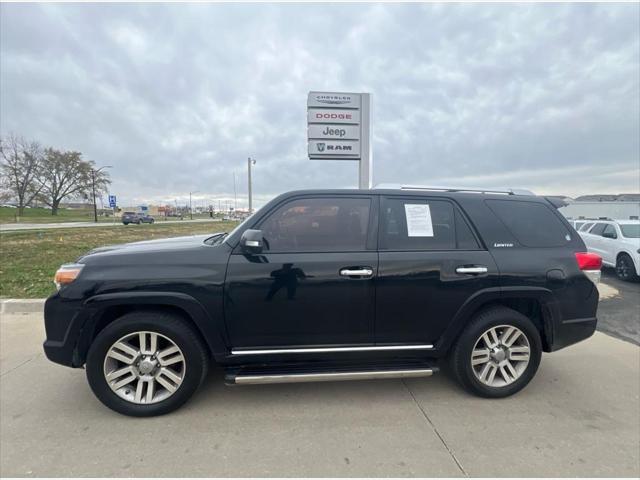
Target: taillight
[(589, 261), (67, 274), (590, 264)]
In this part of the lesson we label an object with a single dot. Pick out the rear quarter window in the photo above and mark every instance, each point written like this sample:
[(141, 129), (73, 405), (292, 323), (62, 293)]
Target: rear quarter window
[(532, 224)]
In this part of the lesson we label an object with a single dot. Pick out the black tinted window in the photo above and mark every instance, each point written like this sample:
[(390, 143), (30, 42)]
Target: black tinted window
[(318, 224), (610, 230), (416, 224), (464, 236), (532, 224), (598, 229)]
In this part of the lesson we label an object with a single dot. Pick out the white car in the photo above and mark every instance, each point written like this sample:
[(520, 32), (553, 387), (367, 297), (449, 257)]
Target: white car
[(617, 242)]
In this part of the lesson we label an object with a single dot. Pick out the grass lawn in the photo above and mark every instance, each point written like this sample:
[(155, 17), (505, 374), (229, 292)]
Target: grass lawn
[(43, 215), (30, 259)]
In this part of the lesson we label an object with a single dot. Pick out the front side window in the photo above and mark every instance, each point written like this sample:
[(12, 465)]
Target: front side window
[(630, 230), (421, 224), (318, 225)]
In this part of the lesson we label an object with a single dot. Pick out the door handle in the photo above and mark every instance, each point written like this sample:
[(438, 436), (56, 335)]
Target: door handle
[(357, 272), (473, 270)]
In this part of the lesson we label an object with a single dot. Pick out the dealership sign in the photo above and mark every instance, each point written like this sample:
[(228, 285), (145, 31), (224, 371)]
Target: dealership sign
[(339, 128)]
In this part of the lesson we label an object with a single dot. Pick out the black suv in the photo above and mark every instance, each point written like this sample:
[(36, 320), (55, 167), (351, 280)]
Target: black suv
[(331, 285)]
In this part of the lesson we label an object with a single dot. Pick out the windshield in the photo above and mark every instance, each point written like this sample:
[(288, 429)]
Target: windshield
[(630, 230)]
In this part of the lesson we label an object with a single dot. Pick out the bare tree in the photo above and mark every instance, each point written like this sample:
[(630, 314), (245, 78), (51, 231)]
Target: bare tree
[(66, 174), (21, 162)]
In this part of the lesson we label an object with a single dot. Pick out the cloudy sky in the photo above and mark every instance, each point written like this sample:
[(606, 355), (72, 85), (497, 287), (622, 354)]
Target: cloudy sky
[(176, 97)]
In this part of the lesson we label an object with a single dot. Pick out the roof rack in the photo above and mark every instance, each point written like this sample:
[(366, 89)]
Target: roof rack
[(502, 191)]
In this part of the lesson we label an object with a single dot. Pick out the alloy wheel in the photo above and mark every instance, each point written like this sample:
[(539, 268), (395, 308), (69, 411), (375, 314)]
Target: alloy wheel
[(144, 367), (623, 269), (500, 356)]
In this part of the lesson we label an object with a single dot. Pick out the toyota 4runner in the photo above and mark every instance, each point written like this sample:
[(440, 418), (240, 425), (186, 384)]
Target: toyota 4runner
[(331, 285)]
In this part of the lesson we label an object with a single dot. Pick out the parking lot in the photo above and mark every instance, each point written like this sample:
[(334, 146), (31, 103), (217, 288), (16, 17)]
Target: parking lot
[(578, 417), (619, 309)]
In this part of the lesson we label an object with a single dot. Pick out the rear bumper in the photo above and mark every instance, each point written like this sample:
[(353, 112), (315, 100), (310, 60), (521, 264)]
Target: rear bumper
[(568, 332), (63, 321)]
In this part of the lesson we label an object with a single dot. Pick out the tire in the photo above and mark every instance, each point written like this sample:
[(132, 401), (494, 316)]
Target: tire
[(625, 268), (502, 319), (125, 223), (171, 331)]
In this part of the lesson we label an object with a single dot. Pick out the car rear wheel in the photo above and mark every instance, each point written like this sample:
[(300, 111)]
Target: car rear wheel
[(625, 269), (146, 363), (497, 354)]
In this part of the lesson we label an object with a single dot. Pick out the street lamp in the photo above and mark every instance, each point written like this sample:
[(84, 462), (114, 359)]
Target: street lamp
[(250, 162), (190, 208), (93, 189)]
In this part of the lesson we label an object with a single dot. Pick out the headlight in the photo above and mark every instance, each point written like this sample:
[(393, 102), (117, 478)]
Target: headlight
[(67, 273)]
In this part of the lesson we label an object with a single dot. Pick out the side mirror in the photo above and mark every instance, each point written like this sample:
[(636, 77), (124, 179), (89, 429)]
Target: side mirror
[(610, 235), (251, 242)]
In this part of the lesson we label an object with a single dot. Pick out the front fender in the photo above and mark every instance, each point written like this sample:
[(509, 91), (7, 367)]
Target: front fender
[(207, 326)]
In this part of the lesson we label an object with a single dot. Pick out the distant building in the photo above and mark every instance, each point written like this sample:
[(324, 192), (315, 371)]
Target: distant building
[(618, 207)]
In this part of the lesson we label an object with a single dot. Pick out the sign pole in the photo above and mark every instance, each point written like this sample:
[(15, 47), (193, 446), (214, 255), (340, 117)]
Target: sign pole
[(364, 165)]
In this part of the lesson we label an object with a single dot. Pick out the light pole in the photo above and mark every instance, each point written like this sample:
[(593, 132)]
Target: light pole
[(235, 196), (191, 208), (93, 190), (250, 162)]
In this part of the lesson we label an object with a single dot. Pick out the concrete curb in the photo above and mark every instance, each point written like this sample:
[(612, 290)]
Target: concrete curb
[(20, 305)]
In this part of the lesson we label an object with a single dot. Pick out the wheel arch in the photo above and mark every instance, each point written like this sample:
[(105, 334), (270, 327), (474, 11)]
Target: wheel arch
[(537, 304), (106, 308)]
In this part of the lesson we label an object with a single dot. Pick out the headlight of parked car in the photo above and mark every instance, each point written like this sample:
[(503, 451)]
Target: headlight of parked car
[(67, 273)]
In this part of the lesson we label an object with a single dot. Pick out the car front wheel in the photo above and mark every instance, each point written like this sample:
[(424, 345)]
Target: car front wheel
[(625, 269), (146, 363), (497, 354)]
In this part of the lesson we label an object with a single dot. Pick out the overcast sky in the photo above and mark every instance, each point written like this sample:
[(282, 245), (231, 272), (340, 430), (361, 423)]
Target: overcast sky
[(175, 97)]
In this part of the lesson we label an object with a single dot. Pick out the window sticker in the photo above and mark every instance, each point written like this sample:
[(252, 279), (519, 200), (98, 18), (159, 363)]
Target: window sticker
[(418, 220)]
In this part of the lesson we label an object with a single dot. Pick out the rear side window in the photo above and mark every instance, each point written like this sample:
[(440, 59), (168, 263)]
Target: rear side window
[(586, 227), (532, 224), (420, 224), (610, 231), (318, 225), (598, 229)]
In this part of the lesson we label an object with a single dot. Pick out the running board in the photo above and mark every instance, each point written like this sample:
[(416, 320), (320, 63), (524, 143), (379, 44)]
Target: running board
[(240, 379)]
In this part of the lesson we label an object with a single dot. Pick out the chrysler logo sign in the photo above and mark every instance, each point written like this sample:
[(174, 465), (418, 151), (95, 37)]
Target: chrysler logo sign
[(333, 99)]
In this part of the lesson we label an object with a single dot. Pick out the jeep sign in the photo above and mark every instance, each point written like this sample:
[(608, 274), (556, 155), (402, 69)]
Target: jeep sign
[(339, 128), (342, 132)]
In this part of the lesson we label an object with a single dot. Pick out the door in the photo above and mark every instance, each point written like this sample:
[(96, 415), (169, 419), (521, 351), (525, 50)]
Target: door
[(609, 244), (593, 239), (430, 263), (313, 285)]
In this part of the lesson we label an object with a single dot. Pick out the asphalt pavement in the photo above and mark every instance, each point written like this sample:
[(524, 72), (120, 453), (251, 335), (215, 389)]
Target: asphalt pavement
[(580, 416), (619, 308)]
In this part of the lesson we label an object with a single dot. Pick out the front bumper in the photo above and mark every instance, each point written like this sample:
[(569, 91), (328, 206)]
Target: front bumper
[(63, 321)]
